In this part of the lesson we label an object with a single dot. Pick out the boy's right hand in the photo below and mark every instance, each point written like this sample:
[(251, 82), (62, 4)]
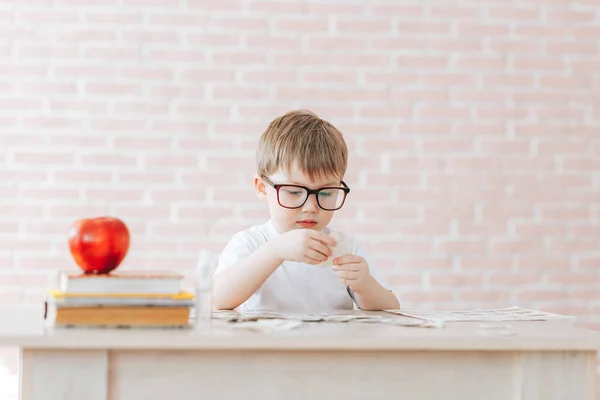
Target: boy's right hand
[(304, 245)]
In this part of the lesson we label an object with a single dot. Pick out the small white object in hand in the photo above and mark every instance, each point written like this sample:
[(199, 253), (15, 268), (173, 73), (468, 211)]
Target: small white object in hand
[(342, 248)]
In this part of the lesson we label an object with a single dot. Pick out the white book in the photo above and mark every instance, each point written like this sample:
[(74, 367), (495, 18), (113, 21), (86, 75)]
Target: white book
[(121, 282)]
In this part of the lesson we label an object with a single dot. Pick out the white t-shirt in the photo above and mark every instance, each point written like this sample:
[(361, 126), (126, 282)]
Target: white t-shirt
[(294, 286)]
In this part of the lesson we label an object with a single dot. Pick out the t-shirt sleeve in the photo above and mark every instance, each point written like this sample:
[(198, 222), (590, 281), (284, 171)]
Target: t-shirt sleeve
[(240, 246)]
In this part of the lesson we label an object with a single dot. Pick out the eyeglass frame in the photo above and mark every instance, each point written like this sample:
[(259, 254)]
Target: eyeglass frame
[(309, 191)]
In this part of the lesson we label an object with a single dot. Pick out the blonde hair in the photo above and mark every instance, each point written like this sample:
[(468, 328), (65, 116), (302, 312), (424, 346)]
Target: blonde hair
[(301, 137)]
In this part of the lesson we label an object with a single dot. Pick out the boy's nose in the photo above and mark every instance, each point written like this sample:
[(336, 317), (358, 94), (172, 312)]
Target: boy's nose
[(311, 204)]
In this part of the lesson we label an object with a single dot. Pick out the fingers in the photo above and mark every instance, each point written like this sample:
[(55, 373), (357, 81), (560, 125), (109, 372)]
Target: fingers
[(311, 261), (321, 248), (324, 238), (346, 275), (315, 255), (348, 259), (347, 267)]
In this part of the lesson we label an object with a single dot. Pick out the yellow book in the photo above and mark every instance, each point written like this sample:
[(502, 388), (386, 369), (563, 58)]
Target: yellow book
[(182, 295), (60, 299), (119, 316)]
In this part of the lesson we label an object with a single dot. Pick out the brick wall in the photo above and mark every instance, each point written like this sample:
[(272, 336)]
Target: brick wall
[(474, 129)]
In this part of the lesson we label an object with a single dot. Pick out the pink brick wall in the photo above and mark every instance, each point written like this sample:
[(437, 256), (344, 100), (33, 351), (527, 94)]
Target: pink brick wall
[(474, 133)]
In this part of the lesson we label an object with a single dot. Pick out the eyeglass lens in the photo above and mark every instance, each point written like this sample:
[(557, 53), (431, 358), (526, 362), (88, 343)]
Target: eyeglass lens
[(328, 199)]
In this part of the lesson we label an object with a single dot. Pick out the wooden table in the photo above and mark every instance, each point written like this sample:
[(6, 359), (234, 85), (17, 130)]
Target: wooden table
[(538, 360)]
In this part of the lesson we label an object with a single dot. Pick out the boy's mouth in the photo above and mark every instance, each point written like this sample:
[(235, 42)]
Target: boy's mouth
[(307, 223)]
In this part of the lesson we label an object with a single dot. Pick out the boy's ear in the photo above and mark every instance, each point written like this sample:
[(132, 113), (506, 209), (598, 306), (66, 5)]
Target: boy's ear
[(260, 187)]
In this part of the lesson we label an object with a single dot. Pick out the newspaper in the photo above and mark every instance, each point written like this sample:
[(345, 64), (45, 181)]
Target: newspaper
[(248, 317), (233, 316), (485, 315), (267, 321), (268, 325)]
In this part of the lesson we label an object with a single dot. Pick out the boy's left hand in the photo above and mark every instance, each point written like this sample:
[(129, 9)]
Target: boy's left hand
[(352, 270)]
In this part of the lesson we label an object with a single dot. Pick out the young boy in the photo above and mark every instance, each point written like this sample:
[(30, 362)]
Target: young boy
[(280, 265)]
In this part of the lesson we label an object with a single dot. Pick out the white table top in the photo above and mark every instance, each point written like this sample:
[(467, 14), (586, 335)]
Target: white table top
[(25, 327)]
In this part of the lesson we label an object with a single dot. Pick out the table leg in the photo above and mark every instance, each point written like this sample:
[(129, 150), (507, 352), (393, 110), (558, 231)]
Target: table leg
[(63, 374)]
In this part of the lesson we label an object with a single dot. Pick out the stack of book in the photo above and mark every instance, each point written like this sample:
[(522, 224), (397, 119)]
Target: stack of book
[(119, 299)]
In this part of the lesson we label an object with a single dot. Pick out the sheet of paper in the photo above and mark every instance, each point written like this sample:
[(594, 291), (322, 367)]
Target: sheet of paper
[(342, 248), (486, 315), (268, 325), (234, 316), (420, 323), (260, 317)]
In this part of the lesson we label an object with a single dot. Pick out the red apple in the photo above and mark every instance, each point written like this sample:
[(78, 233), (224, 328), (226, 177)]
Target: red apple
[(99, 244)]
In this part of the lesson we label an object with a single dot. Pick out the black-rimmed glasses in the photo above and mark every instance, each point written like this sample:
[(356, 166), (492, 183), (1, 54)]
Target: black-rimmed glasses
[(294, 196)]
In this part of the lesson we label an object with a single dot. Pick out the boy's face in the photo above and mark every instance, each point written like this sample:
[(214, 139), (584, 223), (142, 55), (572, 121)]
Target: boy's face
[(310, 215)]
